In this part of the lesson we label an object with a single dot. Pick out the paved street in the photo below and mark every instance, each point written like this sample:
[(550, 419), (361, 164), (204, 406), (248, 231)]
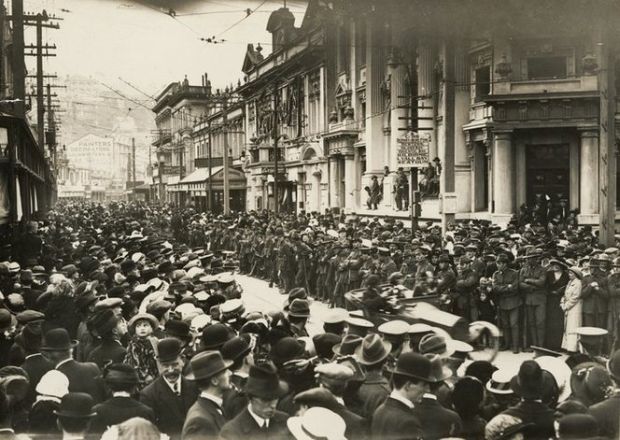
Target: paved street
[(258, 296)]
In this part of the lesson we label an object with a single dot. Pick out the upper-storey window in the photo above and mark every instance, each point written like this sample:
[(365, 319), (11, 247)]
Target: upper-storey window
[(551, 67), (483, 82)]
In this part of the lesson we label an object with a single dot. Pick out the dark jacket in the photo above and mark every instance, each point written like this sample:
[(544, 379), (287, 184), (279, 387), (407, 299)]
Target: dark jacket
[(437, 421), (373, 392), (606, 414), (357, 426), (204, 420), (41, 417), (109, 350), (118, 409), (506, 289), (394, 420), (539, 414), (84, 377), (244, 427), (170, 410), (36, 366)]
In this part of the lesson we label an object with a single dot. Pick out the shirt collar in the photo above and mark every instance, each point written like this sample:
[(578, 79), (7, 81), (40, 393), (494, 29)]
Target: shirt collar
[(172, 384), (429, 396), (121, 394), (259, 420), (217, 400), (396, 396), (63, 362), (32, 355)]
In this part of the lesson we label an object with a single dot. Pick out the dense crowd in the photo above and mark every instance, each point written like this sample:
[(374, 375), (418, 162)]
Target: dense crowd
[(126, 321)]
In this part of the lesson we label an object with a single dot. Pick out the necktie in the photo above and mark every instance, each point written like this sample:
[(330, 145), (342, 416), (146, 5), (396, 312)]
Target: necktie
[(176, 388)]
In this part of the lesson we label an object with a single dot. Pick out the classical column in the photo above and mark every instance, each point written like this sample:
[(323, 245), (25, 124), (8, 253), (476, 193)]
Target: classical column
[(350, 182), (334, 182), (503, 174), (398, 102), (588, 172), (375, 65)]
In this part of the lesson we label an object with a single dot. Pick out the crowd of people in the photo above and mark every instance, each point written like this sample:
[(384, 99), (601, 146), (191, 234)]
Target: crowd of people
[(126, 321)]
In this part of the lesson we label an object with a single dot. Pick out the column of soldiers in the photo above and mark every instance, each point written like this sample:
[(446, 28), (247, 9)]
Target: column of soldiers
[(123, 319)]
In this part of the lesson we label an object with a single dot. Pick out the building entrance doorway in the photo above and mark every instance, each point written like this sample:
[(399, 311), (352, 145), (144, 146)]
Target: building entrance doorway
[(548, 172)]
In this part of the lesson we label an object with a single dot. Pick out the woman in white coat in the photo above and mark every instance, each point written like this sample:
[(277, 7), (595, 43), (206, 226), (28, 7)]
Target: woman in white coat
[(571, 305)]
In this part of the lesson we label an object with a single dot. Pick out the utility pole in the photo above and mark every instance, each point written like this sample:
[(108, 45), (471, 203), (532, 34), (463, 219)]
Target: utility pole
[(210, 152), (607, 146), (133, 161), (19, 66), (226, 171), (51, 127)]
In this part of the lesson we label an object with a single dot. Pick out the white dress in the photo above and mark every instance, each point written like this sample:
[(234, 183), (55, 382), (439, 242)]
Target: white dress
[(571, 304)]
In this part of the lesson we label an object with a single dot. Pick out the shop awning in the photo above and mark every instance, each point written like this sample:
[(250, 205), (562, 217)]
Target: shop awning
[(201, 175)]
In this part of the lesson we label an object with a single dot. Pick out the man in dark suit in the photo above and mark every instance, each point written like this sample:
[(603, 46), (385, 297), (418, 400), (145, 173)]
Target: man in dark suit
[(206, 417), (170, 396), (606, 412), (260, 419), (437, 421), (105, 325), (84, 377), (35, 364), (394, 419), (122, 380)]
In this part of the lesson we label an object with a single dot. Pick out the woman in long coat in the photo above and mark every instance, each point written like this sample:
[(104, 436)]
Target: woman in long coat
[(557, 279), (571, 305)]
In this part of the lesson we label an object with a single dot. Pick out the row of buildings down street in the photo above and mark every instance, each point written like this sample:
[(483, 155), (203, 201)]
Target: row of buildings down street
[(495, 117)]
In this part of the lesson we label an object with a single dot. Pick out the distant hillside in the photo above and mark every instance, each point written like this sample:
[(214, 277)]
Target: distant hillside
[(91, 108)]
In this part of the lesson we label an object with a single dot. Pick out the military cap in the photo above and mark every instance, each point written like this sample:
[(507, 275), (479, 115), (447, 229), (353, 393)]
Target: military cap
[(336, 316), (396, 327)]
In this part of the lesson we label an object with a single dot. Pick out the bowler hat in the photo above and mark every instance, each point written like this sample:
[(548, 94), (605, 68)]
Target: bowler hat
[(237, 347), (372, 350), (168, 349), (577, 426), (57, 339), (318, 396), (299, 308), (76, 405), (118, 373), (214, 336), (414, 365), (263, 382), (207, 364), (528, 383), (7, 319), (178, 329)]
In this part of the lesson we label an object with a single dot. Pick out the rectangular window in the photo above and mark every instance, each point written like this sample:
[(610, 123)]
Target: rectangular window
[(483, 82), (552, 67)]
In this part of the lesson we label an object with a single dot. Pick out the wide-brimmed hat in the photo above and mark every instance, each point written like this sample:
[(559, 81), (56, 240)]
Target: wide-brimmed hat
[(348, 345), (263, 382), (296, 293), (372, 350), (578, 273), (145, 317), (76, 405), (436, 344), (103, 322), (168, 349), (207, 364), (299, 308), (57, 339), (317, 423)]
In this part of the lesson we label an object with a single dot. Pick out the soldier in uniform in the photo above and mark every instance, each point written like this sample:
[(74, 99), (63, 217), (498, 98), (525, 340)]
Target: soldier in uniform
[(532, 285), (354, 264), (387, 265), (613, 307), (445, 276), (505, 288), (595, 292), (287, 264), (465, 286)]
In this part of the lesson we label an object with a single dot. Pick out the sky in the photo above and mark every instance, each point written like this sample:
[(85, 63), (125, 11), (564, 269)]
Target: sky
[(138, 42)]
